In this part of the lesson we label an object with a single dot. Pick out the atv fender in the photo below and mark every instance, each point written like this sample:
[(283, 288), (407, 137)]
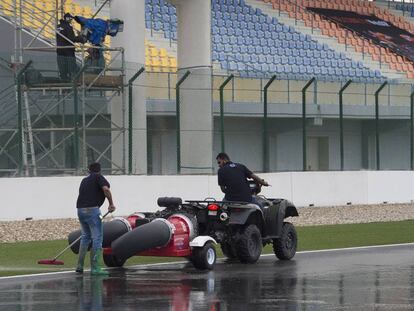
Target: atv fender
[(240, 217), (286, 209), (201, 240), (275, 215)]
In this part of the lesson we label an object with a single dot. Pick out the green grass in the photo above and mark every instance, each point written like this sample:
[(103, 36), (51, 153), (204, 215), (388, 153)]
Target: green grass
[(21, 258)]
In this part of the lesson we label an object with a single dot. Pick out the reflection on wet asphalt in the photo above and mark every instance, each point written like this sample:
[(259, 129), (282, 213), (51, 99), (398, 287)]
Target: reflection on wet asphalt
[(364, 279)]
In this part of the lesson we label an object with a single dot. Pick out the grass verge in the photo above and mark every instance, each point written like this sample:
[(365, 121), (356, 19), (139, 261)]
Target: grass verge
[(21, 258)]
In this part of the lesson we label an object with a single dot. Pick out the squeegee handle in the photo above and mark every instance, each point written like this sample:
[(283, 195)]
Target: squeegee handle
[(74, 242)]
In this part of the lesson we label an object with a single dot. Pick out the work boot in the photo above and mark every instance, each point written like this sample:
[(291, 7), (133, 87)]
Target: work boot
[(81, 259), (96, 263)]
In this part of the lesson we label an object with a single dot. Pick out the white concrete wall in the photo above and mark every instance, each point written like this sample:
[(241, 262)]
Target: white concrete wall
[(55, 197)]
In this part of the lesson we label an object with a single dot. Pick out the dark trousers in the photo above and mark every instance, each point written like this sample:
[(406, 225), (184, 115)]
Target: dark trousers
[(67, 67)]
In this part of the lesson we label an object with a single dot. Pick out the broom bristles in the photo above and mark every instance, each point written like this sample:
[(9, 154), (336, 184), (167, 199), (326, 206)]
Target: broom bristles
[(50, 262)]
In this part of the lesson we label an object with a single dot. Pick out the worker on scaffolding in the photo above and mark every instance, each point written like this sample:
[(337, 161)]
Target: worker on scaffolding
[(65, 39), (94, 31)]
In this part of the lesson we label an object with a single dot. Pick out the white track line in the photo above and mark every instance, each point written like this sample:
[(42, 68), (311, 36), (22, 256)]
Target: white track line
[(221, 259)]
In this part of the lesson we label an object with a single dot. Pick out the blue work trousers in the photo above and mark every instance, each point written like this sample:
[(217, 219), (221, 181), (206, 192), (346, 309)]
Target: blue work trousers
[(91, 227)]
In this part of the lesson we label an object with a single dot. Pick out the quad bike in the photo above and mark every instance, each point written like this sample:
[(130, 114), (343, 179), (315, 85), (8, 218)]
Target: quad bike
[(192, 228)]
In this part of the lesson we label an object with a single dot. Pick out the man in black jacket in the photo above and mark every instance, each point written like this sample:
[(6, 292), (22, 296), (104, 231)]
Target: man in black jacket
[(66, 50)]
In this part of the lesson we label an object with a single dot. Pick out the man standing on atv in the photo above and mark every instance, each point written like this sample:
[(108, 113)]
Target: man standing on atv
[(232, 179)]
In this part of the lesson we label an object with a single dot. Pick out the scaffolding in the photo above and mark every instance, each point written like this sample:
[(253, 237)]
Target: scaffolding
[(51, 126)]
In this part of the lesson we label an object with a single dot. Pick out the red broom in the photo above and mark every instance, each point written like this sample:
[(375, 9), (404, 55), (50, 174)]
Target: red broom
[(54, 261)]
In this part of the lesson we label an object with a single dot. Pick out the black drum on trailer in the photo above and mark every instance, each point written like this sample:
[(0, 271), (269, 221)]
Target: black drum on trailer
[(112, 230)]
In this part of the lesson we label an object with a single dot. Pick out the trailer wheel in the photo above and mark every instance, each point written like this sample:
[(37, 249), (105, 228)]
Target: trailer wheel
[(285, 246), (111, 261), (249, 245), (204, 258)]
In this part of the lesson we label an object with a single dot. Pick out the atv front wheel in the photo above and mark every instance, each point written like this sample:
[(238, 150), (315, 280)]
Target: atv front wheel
[(204, 258), (249, 245), (285, 246), (111, 261)]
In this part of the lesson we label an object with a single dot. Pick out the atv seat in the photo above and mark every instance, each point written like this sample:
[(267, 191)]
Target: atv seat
[(169, 202)]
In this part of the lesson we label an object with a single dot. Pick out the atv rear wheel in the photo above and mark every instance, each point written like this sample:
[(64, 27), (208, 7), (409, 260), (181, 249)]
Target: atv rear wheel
[(228, 250), (285, 246), (111, 261), (204, 258), (249, 244)]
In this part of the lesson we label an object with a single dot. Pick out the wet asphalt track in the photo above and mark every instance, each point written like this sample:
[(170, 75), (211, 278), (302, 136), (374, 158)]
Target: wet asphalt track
[(379, 278)]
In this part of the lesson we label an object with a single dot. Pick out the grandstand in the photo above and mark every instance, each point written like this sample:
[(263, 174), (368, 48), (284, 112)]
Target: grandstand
[(252, 41)]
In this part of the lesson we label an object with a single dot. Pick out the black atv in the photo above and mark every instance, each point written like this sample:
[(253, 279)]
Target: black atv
[(243, 229)]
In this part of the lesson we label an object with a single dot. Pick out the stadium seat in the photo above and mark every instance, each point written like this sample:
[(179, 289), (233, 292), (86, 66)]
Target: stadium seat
[(254, 38)]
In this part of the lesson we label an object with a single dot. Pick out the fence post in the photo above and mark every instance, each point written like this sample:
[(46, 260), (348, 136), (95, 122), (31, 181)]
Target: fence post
[(177, 110), (304, 121), (265, 127), (19, 81), (412, 130), (221, 88), (341, 122), (130, 125), (377, 147), (75, 116)]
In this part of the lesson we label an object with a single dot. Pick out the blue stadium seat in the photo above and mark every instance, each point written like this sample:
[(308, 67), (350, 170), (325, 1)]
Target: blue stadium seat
[(219, 47), (246, 58), (264, 67), (288, 68), (232, 65)]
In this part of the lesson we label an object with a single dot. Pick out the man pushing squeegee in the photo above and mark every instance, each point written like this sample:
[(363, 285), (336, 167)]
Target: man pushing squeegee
[(92, 193)]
